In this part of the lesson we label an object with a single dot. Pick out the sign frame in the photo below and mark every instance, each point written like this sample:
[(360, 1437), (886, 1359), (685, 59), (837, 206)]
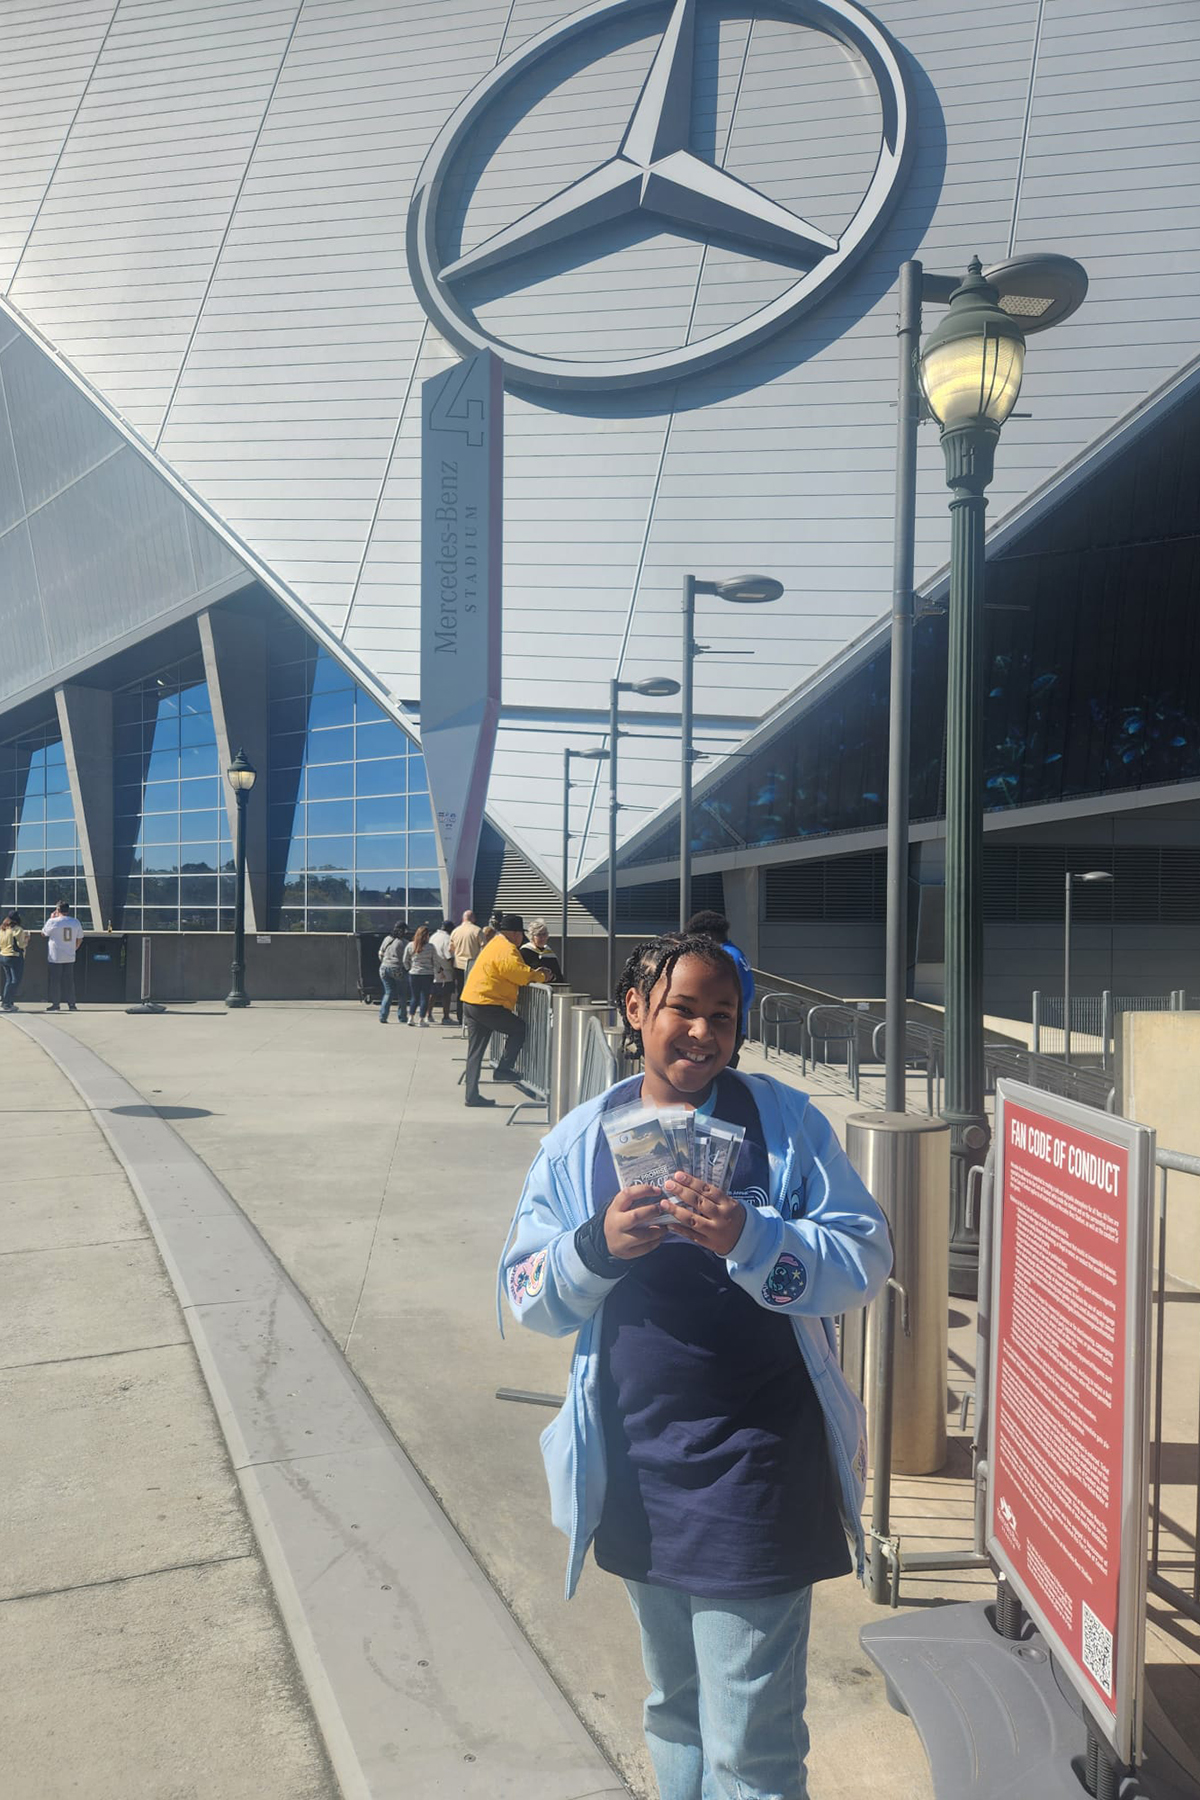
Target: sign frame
[(1123, 1729)]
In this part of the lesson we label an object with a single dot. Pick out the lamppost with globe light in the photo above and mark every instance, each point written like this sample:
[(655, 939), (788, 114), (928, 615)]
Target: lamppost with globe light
[(242, 776), (742, 590), (1092, 876), (970, 369), (656, 687)]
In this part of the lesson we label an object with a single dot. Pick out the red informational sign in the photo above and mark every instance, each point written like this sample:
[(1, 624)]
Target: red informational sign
[(1066, 1406)]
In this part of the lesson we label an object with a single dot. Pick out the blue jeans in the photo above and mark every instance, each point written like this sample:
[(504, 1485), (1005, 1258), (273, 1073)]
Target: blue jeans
[(395, 992), (12, 968), (725, 1716), (420, 988)]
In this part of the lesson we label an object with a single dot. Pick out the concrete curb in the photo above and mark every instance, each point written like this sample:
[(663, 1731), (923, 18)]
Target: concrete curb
[(420, 1679)]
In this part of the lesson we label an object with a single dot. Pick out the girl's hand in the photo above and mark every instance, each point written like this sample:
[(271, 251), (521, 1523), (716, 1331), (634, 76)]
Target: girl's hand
[(633, 1223), (703, 1214)]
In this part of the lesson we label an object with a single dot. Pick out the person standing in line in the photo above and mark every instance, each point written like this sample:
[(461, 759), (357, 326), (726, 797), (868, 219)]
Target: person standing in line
[(489, 1001), (443, 972), (391, 973), (537, 951), (13, 939), (491, 928), (419, 963), (62, 932), (465, 941), (716, 926)]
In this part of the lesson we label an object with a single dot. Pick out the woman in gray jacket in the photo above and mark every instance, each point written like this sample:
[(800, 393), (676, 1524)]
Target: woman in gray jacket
[(391, 972), (420, 963)]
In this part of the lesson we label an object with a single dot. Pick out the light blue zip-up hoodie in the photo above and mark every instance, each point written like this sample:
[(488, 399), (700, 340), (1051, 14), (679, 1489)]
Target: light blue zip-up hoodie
[(819, 1248)]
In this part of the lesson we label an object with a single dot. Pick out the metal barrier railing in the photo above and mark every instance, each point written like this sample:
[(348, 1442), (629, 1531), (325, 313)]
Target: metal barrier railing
[(778, 1016), (1093, 1020), (598, 1061), (533, 1064), (1174, 1544), (919, 1053), (827, 1025)]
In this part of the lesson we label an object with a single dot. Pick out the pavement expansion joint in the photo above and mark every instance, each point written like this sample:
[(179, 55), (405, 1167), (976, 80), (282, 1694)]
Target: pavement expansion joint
[(46, 1362), (78, 1587), (399, 1634)]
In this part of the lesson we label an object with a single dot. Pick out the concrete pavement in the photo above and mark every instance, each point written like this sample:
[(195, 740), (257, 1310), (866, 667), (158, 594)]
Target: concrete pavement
[(347, 1146), (135, 1610)]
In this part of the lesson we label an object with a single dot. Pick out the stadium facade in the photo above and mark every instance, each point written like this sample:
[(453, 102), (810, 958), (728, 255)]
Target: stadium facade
[(235, 239)]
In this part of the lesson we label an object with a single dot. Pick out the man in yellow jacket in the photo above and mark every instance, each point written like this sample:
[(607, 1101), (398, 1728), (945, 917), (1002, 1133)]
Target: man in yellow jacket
[(489, 998)]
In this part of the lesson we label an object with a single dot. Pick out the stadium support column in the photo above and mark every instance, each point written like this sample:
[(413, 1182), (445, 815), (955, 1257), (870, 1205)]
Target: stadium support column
[(235, 665), (85, 717)]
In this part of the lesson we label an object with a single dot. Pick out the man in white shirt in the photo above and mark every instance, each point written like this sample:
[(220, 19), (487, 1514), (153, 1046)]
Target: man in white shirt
[(464, 942), (443, 969), (62, 932)]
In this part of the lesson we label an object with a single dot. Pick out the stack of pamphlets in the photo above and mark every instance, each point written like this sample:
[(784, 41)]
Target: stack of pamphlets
[(650, 1143)]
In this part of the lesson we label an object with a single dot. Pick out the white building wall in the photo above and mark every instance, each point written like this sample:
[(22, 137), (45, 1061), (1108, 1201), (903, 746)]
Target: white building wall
[(220, 250)]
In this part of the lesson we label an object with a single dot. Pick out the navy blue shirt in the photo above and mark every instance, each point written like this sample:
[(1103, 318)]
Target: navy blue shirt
[(719, 1476)]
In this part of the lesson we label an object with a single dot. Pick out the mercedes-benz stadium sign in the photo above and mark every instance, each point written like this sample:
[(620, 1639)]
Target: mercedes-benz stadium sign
[(652, 173)]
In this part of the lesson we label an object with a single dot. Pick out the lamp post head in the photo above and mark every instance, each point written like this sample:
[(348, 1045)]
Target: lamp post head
[(1039, 290), (749, 590), (596, 755), (1092, 875), (242, 773), (972, 362), (656, 687)]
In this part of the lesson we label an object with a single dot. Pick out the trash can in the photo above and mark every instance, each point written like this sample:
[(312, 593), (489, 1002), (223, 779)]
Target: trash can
[(100, 970), (905, 1161), (370, 984)]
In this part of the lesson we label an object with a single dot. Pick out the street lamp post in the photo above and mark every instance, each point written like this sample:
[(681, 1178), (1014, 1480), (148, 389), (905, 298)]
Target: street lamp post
[(1040, 290), (742, 590), (1092, 875), (971, 370), (656, 687), (242, 776), (588, 756)]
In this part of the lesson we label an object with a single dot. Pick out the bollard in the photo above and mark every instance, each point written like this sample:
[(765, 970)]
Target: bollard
[(147, 1003), (905, 1162), (562, 1049)]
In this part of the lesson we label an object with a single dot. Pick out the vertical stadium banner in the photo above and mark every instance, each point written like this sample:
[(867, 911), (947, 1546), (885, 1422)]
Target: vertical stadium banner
[(462, 459), (1067, 1436)]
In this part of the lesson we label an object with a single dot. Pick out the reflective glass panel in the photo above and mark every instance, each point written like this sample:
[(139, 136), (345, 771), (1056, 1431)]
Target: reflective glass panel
[(384, 777), (326, 816), (330, 782), (387, 814), (331, 746)]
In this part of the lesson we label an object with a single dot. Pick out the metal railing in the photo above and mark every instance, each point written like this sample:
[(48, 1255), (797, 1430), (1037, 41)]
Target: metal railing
[(533, 1062), (1175, 1544), (789, 1026), (598, 1061), (1093, 1020)]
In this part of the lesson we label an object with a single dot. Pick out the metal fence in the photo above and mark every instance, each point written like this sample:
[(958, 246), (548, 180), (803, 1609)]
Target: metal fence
[(534, 1060), (597, 1062), (1174, 1573), (1093, 1020), (849, 1040)]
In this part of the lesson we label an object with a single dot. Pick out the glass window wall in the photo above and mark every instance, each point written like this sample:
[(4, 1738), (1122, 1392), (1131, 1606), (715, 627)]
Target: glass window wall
[(350, 822), (42, 861), (174, 858)]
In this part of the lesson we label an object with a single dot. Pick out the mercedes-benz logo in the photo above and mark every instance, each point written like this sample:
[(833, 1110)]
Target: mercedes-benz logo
[(654, 173)]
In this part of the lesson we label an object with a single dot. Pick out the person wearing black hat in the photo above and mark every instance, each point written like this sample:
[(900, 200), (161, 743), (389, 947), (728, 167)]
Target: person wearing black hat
[(489, 1003)]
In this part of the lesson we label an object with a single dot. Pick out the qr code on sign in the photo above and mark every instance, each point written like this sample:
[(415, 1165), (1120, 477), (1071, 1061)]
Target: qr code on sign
[(1097, 1650)]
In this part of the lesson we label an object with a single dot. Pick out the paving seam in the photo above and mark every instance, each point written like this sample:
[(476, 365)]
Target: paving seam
[(418, 1675)]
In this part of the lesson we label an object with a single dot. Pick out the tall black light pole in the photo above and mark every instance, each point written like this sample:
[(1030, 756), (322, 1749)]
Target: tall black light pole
[(242, 776), (1039, 291), (1092, 875), (743, 590), (656, 687), (588, 756), (971, 370)]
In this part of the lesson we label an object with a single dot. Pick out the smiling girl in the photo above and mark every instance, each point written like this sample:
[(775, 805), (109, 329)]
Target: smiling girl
[(708, 1449)]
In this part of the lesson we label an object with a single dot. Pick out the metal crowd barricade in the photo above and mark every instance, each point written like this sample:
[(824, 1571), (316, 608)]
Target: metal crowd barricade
[(915, 1058), (1175, 1543), (533, 1064), (598, 1059)]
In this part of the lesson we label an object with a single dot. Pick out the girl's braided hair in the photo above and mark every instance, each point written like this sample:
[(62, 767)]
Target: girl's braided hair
[(657, 957)]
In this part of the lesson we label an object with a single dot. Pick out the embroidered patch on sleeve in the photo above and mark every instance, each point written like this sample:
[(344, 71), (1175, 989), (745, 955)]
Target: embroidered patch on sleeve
[(786, 1282), (526, 1279)]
